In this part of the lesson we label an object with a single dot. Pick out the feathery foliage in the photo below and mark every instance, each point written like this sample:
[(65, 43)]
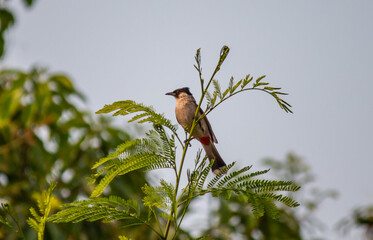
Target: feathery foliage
[(124, 238), (155, 151), (143, 113), (164, 207), (241, 86), (104, 209), (7, 217), (37, 221)]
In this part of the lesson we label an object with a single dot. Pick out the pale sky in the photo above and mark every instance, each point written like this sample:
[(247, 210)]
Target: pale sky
[(320, 52)]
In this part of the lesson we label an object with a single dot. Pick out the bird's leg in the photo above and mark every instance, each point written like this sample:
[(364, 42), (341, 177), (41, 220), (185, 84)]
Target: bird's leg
[(186, 139), (189, 141)]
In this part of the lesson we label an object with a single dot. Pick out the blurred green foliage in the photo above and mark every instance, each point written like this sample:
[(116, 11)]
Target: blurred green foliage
[(360, 218), (7, 20), (44, 136), (232, 219)]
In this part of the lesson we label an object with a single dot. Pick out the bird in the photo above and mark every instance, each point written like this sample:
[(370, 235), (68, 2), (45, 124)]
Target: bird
[(185, 110)]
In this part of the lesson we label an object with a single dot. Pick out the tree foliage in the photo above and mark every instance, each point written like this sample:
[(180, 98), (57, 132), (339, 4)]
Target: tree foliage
[(45, 136), (167, 203), (359, 218), (38, 220), (233, 219), (7, 20)]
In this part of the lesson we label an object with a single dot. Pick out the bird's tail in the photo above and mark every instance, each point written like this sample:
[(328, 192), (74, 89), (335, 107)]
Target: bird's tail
[(212, 153)]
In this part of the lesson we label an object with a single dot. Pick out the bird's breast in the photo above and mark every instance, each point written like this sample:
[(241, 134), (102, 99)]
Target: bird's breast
[(185, 111)]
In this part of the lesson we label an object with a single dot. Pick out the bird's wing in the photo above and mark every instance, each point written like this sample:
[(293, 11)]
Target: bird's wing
[(212, 135)]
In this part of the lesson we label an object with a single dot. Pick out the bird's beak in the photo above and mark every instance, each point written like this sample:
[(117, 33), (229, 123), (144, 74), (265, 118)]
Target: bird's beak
[(170, 93)]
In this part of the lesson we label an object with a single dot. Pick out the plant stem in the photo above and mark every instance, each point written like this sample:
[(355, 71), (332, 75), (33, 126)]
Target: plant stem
[(196, 119), (157, 220), (178, 174), (231, 95), (181, 219), (149, 226)]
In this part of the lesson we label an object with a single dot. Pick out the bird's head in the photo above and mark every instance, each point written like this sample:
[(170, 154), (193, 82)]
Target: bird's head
[(180, 92)]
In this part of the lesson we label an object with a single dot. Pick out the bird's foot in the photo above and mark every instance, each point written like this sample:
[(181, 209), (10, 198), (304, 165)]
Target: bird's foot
[(186, 141)]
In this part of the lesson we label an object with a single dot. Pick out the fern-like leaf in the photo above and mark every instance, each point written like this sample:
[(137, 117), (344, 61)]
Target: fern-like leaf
[(120, 149), (145, 113), (7, 217), (202, 176), (232, 175), (281, 198), (159, 197), (155, 151), (246, 81), (132, 163), (104, 209), (124, 238), (245, 177), (217, 177), (44, 204), (217, 88)]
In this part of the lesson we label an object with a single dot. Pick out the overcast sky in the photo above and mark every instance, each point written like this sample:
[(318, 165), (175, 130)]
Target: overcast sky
[(321, 52)]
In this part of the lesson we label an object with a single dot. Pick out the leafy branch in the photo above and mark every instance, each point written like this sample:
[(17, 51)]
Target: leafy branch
[(8, 218), (241, 86), (164, 206), (144, 114), (155, 151), (38, 220), (223, 54), (113, 208)]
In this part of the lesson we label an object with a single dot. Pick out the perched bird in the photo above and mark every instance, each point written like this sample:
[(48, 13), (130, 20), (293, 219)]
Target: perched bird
[(185, 110)]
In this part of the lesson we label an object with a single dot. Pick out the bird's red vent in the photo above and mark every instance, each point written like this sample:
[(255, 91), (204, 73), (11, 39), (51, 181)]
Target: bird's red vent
[(205, 140)]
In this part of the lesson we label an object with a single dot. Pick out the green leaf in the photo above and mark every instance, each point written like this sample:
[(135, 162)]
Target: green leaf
[(156, 197), (9, 102), (259, 79), (147, 114), (261, 83), (132, 163), (35, 214), (226, 92), (7, 217), (120, 150), (236, 86), (33, 223), (281, 198), (280, 93), (130, 222), (230, 85), (271, 88), (246, 81), (239, 179), (44, 204), (223, 55), (217, 89), (124, 238), (28, 3), (232, 175), (104, 209), (202, 176), (63, 82), (227, 194), (213, 181)]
